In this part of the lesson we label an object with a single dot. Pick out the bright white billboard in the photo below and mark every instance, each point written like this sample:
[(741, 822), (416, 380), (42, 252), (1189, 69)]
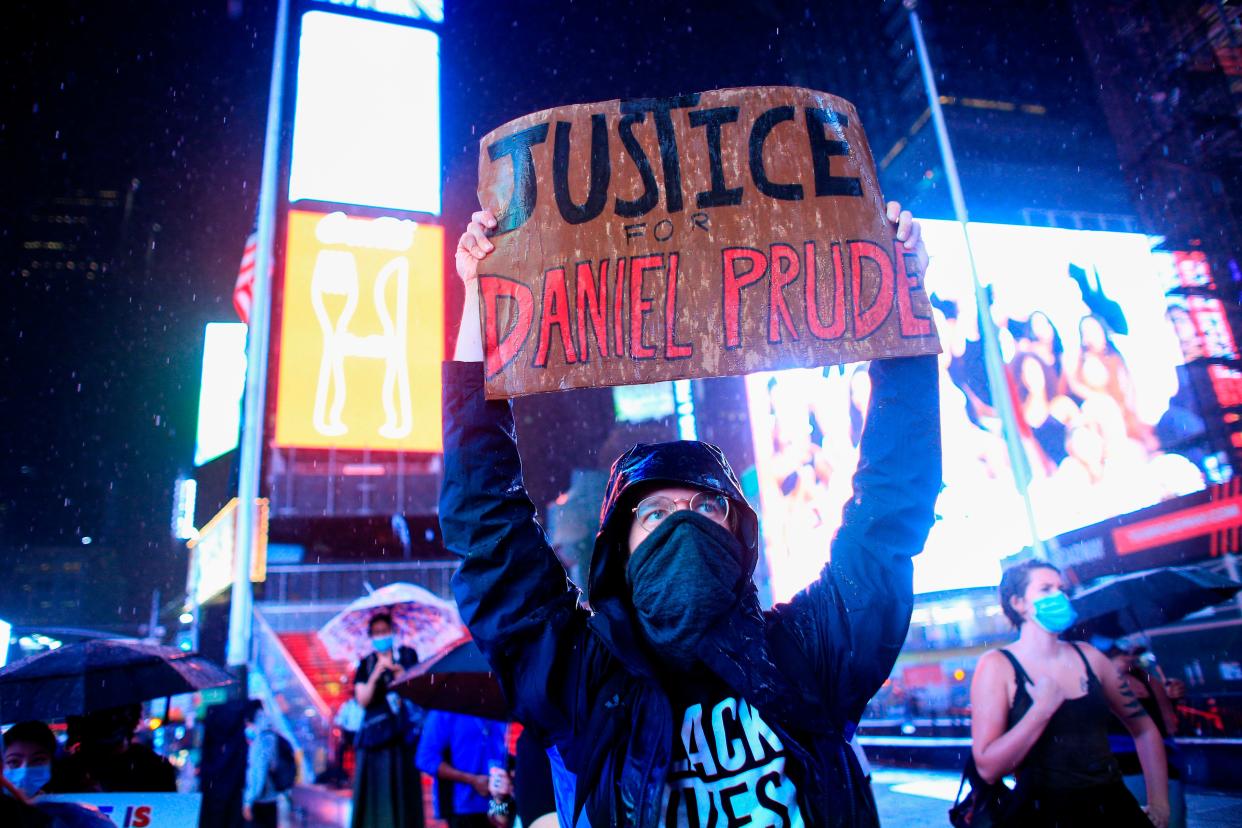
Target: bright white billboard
[(1106, 418), (366, 126), (220, 392)]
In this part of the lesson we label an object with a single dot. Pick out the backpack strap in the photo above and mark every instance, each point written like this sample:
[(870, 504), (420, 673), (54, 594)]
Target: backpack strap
[(1018, 672)]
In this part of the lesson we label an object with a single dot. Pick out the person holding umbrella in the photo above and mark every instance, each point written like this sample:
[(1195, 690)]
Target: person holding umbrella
[(1040, 710), (388, 790)]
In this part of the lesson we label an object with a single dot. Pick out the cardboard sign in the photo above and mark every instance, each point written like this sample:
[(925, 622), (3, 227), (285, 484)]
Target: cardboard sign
[(717, 233), (139, 810)]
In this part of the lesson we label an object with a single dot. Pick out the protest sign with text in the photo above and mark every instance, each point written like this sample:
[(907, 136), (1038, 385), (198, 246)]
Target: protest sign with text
[(139, 810), (707, 234)]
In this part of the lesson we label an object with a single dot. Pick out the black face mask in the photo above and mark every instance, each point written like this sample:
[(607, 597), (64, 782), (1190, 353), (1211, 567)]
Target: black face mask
[(684, 577)]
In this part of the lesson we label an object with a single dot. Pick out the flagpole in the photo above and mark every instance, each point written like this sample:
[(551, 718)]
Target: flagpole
[(254, 404), (993, 361)]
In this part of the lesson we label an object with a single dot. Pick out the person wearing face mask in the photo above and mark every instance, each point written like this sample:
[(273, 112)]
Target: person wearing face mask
[(388, 790), (29, 751), (1041, 709), (29, 748), (675, 699), (262, 793)]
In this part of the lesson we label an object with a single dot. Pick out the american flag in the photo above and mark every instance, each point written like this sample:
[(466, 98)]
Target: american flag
[(243, 288)]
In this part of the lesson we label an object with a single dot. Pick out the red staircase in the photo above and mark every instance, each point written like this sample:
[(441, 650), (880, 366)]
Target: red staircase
[(333, 679)]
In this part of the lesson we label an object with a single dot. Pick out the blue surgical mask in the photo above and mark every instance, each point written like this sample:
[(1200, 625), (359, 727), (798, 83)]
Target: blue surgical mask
[(29, 779), (252, 732), (1055, 613), (383, 644)]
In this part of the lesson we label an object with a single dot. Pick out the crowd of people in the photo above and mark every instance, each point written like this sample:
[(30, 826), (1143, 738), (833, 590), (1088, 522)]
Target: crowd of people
[(474, 772), (656, 691), (100, 753), (760, 707)]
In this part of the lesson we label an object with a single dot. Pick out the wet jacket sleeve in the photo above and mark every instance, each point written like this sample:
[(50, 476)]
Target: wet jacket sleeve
[(512, 592), (851, 623)]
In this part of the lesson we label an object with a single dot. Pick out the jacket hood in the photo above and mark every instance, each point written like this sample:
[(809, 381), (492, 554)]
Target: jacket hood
[(647, 465)]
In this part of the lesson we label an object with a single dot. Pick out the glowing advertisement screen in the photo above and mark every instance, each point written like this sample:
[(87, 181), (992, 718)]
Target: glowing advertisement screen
[(432, 10), (361, 334), (220, 392), (1095, 369), (366, 126)]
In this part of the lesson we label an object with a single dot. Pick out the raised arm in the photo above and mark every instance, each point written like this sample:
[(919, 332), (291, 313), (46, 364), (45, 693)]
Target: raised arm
[(852, 622), (510, 588)]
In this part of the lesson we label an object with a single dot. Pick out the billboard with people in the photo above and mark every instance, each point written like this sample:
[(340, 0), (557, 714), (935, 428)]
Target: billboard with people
[(1107, 419)]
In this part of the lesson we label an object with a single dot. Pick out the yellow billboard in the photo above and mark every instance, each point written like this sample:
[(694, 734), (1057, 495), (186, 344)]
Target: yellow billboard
[(361, 334)]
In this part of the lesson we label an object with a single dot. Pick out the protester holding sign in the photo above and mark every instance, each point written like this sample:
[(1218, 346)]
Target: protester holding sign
[(675, 700), (761, 245)]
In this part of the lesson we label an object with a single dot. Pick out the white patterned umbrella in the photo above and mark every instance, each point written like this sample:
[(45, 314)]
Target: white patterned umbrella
[(420, 620)]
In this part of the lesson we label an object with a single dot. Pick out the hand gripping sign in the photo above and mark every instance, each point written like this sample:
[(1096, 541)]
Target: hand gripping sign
[(709, 234)]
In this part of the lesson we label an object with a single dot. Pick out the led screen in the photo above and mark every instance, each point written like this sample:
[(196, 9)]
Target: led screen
[(220, 392), (1094, 366), (366, 126), (432, 10), (636, 403), (361, 334)]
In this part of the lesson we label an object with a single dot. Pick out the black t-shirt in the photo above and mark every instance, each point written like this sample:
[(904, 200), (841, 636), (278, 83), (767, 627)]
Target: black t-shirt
[(405, 659), (728, 767)]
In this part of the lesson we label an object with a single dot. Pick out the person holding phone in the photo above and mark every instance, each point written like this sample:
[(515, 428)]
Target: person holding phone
[(388, 790)]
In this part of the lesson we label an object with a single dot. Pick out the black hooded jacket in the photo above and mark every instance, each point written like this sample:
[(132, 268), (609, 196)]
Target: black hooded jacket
[(586, 681)]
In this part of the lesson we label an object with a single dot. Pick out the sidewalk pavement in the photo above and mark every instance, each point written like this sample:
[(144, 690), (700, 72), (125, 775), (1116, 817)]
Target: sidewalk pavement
[(921, 799)]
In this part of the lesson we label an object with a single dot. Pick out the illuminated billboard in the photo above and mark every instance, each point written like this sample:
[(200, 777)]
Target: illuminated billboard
[(1094, 364), (637, 403), (361, 334), (220, 391), (213, 553), (432, 10), (366, 124)]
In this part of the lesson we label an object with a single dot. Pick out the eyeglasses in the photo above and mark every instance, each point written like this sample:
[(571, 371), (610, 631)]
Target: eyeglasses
[(651, 511)]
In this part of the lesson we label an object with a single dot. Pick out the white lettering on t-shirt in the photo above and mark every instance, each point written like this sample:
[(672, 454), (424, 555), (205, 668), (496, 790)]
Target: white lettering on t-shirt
[(732, 776)]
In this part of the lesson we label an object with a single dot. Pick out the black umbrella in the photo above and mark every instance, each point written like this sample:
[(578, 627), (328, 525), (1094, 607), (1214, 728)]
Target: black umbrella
[(457, 679), (95, 675), (1125, 604)]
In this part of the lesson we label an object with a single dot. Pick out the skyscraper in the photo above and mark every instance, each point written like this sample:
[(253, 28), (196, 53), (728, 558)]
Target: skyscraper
[(1020, 105)]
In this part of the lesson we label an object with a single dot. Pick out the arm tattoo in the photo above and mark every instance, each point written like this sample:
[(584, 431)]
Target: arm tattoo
[(1133, 708)]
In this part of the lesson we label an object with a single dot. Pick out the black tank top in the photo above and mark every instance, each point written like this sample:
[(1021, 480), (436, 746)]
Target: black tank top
[(1073, 752)]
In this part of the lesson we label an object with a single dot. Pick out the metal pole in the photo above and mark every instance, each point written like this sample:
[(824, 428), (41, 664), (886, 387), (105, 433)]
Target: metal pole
[(993, 361), (256, 360)]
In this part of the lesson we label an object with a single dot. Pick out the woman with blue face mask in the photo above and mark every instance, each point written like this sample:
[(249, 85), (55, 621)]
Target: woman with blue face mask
[(29, 748), (1041, 709), (388, 790)]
